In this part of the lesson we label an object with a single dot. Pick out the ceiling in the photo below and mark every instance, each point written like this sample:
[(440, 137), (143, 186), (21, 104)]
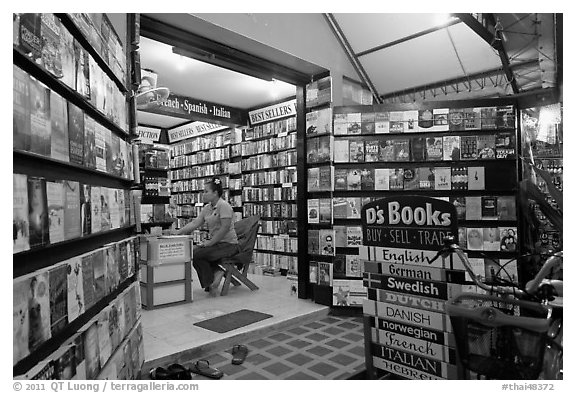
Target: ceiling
[(402, 57)]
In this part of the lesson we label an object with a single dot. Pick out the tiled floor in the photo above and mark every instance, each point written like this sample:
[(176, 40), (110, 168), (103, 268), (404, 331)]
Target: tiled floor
[(330, 348), (300, 341)]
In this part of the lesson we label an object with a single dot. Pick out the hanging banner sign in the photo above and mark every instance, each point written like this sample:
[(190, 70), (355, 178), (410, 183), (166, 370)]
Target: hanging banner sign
[(148, 134), (409, 222), (194, 109), (193, 129), (272, 112)]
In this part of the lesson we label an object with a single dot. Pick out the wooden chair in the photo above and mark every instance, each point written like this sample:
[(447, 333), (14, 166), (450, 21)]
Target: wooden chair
[(236, 267)]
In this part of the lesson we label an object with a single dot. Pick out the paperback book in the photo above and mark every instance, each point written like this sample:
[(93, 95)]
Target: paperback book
[(59, 128), (426, 178), (418, 149), (324, 148), (425, 120), (339, 265), (55, 200), (353, 207), (382, 179), (356, 151), (40, 126), (341, 150), (20, 319), (396, 122), (99, 272), (75, 301), (313, 211), (411, 121), (442, 178), (76, 134), (21, 133), (325, 273), (50, 57), (325, 210), (486, 147), (476, 179), (460, 205), (367, 179), (489, 208), (456, 119), (505, 117), (39, 225), (473, 208), (434, 148), (488, 115), (38, 296), (58, 286), (327, 242), (89, 142), (451, 148), (491, 239), (86, 208), (411, 180), (314, 241), (326, 176), (354, 123), (382, 122), (340, 124), (340, 179), (387, 151), (506, 208), (504, 143), (475, 239), (372, 151), (368, 126), (353, 236), (105, 221), (96, 209), (354, 179), (20, 223), (440, 119), (459, 177), (340, 236), (396, 179), (472, 118), (508, 238), (402, 150), (340, 206), (354, 266), (312, 147), (469, 147)]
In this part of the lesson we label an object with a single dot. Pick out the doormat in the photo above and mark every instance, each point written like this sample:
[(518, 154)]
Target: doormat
[(225, 323)]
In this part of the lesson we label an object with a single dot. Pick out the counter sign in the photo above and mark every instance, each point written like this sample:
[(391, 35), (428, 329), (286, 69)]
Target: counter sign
[(411, 222)]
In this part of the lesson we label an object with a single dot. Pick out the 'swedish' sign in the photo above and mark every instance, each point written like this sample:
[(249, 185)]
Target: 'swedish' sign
[(411, 222)]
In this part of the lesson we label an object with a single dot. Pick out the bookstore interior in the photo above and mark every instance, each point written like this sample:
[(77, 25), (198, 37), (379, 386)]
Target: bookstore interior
[(393, 183)]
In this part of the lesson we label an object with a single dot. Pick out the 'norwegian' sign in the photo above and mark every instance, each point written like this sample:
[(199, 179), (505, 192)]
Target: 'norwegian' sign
[(410, 222)]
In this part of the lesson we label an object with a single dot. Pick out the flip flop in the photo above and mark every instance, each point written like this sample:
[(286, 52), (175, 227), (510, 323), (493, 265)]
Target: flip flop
[(202, 367), (160, 373), (179, 371), (239, 353)]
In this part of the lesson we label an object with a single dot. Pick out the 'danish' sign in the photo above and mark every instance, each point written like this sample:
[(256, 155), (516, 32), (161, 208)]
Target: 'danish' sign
[(411, 222)]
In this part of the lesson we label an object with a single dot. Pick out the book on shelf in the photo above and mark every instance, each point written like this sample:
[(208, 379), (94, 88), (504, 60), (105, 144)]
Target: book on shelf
[(508, 238), (340, 179), (314, 241), (66, 50), (462, 242), (21, 326), (489, 207), (40, 126), (59, 128), (460, 177), (313, 211), (451, 148), (327, 242), (472, 118), (89, 142), (356, 151), (340, 124), (372, 151), (396, 122), (100, 147), (325, 211), (353, 207), (440, 119), (469, 147), (491, 239), (434, 148), (354, 123), (86, 208), (76, 134), (488, 115), (340, 235), (96, 208), (367, 178), (411, 121), (460, 205), (505, 117), (30, 36), (114, 208), (38, 310), (426, 178), (504, 145), (486, 146), (382, 122), (386, 150), (339, 265), (325, 273), (55, 201), (313, 179), (20, 213), (382, 179), (411, 180), (92, 350), (82, 70), (476, 178), (325, 143), (58, 288), (475, 239), (326, 176), (456, 119), (442, 178), (418, 149), (75, 291), (353, 236), (104, 337), (339, 207), (38, 219), (402, 150), (425, 120), (99, 274), (473, 208), (354, 266), (21, 133), (506, 208), (313, 272), (396, 179), (51, 60), (354, 179)]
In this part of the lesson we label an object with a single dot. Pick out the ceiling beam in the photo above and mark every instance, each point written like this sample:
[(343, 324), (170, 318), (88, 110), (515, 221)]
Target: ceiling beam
[(463, 80), (408, 38), (487, 31), (339, 34)]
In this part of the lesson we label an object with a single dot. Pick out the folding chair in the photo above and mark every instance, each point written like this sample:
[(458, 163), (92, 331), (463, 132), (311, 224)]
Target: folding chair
[(236, 267)]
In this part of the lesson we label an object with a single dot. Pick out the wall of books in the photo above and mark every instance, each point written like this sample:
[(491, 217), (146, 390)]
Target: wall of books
[(73, 215), (269, 188), (335, 272)]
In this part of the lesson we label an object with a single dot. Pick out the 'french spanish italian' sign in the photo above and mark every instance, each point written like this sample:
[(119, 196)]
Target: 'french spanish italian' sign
[(410, 222)]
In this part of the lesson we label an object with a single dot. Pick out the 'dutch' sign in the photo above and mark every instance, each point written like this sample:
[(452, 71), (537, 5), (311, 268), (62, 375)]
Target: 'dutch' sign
[(411, 222)]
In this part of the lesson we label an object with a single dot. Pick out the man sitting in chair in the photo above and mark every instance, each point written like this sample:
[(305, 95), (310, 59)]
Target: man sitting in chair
[(222, 242)]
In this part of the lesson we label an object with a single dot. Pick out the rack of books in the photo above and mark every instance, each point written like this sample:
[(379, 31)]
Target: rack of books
[(193, 162), (74, 253), (269, 185)]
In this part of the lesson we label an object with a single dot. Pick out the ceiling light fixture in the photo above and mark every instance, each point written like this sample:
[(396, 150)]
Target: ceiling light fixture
[(223, 61), (148, 95)]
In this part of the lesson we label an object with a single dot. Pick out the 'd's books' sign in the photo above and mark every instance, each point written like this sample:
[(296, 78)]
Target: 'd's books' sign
[(411, 222)]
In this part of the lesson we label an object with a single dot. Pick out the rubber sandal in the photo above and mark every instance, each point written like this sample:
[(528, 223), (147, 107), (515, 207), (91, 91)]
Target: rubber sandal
[(239, 353), (160, 373), (179, 372), (202, 367)]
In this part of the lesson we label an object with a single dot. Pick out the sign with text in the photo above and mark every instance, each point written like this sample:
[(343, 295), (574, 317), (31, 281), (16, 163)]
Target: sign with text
[(411, 222), (193, 129), (273, 112), (148, 134), (194, 109)]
